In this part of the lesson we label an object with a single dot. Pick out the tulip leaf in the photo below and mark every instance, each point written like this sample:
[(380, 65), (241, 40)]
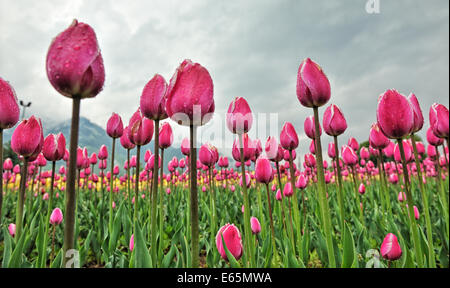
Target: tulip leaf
[(349, 248), (8, 247), (42, 250), (231, 259), (57, 262), (142, 257), (16, 257), (116, 229), (168, 257)]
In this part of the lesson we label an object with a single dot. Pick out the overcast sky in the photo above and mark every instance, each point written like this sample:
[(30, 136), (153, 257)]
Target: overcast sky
[(251, 49)]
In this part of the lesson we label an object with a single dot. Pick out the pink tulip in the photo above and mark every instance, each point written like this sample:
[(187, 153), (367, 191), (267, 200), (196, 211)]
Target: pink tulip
[(353, 144), (407, 149), (165, 136), (56, 217), (418, 116), (140, 131), (207, 154), (393, 178), (248, 148), (263, 170), (27, 139), (190, 95), (9, 108), (362, 189), (288, 137), (349, 156), (310, 129), (313, 87), (255, 225), (12, 229), (334, 123), (377, 139), (302, 182), (271, 149), (185, 147), (395, 115), (433, 139), (74, 62), (153, 98), (232, 239), (103, 152), (125, 141), (131, 245), (390, 249), (8, 164), (54, 147), (239, 117), (114, 127), (331, 150), (439, 120), (287, 190), (401, 196)]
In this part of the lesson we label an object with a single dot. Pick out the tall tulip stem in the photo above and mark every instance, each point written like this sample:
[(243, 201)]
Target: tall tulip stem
[(409, 199), (272, 234), (111, 186), (322, 193), (431, 260), (20, 202), (136, 185), (154, 192), (247, 240), (1, 182), (69, 225), (194, 198), (340, 189), (294, 198)]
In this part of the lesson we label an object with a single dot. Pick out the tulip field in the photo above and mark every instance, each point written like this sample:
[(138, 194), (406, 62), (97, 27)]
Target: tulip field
[(380, 203)]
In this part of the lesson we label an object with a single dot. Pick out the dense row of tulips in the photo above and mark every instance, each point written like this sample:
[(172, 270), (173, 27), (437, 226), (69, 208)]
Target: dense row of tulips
[(343, 213)]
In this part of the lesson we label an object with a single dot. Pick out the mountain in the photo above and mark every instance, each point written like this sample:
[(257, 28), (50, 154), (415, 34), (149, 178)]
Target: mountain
[(92, 136)]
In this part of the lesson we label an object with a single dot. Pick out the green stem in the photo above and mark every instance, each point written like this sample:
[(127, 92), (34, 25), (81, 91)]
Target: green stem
[(161, 211), (194, 198), (111, 186), (20, 202), (442, 190), (409, 199), (155, 192), (69, 223), (296, 210), (136, 186), (431, 259), (340, 189), (322, 192), (49, 211), (272, 234)]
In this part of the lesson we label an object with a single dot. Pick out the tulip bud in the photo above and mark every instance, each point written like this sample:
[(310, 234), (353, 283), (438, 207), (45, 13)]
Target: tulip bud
[(56, 217), (140, 131), (362, 189), (263, 170), (165, 136), (190, 95), (239, 116), (153, 98), (313, 87), (185, 147), (232, 238), (418, 116), (287, 190), (131, 244), (27, 139), (114, 127), (432, 139), (9, 108), (54, 147), (377, 139), (288, 137), (334, 123), (439, 120), (349, 156), (310, 128), (12, 229), (390, 249), (255, 225), (395, 115), (74, 63)]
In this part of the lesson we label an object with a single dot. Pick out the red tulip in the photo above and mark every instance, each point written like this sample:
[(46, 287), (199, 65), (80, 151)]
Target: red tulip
[(287, 190), (54, 147), (9, 109), (390, 249), (288, 137), (263, 170), (114, 127), (190, 95), (74, 62), (439, 120), (313, 87), (93, 159), (153, 98), (395, 115), (27, 139), (239, 116), (334, 123), (165, 136)]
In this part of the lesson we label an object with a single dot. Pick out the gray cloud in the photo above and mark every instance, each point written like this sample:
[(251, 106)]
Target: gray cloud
[(252, 49)]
